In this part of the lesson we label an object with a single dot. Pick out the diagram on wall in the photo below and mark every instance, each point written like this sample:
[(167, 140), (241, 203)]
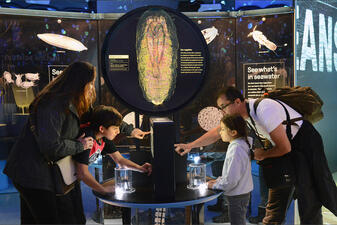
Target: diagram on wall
[(154, 59)]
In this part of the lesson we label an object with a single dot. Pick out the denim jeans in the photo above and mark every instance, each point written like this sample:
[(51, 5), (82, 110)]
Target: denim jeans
[(237, 208)]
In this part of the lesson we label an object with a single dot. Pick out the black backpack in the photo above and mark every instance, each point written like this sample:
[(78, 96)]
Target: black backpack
[(302, 99)]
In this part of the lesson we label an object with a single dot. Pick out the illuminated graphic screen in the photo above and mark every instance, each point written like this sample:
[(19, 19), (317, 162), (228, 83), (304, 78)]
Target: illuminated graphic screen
[(157, 48), (154, 59), (316, 63), (220, 38), (28, 63), (264, 53)]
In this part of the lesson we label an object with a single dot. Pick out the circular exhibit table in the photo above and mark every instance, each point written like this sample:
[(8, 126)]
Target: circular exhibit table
[(144, 197)]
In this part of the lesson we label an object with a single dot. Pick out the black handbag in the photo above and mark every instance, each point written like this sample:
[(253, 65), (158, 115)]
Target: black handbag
[(63, 171), (278, 171)]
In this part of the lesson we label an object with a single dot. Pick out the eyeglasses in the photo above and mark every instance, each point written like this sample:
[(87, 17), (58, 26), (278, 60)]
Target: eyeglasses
[(223, 107)]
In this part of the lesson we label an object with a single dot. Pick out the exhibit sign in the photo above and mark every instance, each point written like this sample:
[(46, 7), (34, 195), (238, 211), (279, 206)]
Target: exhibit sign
[(263, 77), (265, 53), (55, 70), (154, 60)]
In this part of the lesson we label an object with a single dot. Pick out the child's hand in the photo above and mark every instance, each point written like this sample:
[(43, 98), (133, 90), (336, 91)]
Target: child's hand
[(139, 134), (147, 168), (109, 190), (211, 183), (105, 190)]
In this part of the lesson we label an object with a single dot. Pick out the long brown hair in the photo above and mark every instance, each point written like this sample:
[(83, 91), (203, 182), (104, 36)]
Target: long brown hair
[(236, 122), (73, 84)]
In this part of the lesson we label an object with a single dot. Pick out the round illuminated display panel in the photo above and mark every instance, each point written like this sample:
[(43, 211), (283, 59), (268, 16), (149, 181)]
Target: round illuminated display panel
[(154, 59), (209, 117)]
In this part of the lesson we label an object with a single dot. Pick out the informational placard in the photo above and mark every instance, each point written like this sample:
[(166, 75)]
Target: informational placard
[(262, 77), (119, 62), (55, 70), (191, 62), (262, 42)]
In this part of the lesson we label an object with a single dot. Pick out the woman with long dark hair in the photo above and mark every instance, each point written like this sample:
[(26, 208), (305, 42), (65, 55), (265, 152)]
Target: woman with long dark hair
[(55, 114)]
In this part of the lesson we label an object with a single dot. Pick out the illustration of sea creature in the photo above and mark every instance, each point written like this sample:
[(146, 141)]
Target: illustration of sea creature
[(209, 117), (32, 76), (62, 41), (262, 40), (130, 119), (8, 77), (157, 53), (209, 34), (18, 80), (27, 84)]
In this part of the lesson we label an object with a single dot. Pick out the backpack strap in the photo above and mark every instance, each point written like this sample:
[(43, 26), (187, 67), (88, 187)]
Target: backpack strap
[(288, 122), (256, 104), (253, 128)]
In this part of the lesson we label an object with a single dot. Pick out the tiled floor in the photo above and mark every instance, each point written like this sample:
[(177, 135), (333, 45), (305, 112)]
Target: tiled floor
[(10, 210)]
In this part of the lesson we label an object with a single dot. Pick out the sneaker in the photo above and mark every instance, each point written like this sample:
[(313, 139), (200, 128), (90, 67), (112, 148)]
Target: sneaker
[(222, 218)]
